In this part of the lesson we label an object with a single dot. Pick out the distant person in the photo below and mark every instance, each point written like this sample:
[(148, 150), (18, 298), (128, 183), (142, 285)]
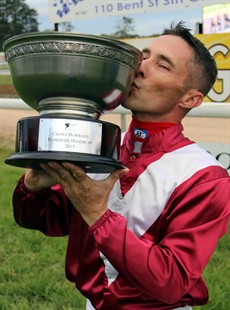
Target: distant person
[(141, 237), (226, 21), (213, 25)]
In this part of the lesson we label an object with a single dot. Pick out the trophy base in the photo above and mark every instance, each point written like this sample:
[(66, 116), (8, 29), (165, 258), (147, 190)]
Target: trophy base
[(89, 163), (91, 144)]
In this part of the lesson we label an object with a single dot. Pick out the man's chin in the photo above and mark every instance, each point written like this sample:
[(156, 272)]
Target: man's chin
[(124, 105), (128, 102)]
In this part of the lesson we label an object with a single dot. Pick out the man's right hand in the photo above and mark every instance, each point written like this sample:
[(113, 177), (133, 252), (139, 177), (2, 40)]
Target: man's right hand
[(37, 180)]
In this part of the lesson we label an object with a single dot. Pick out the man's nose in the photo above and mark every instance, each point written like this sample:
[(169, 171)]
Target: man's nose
[(140, 70)]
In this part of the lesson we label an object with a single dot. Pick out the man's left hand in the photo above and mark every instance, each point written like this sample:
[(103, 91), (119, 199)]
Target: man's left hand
[(89, 197)]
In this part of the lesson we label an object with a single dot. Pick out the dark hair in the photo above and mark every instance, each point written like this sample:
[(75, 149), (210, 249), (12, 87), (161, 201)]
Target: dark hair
[(204, 70)]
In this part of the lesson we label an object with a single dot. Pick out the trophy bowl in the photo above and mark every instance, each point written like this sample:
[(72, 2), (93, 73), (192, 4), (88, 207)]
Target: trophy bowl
[(70, 80)]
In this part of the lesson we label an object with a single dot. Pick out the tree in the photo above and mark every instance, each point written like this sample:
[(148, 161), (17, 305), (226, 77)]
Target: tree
[(16, 17), (125, 28), (66, 26)]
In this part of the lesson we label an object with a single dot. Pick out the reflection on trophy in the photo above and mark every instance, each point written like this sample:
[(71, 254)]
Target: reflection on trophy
[(70, 79)]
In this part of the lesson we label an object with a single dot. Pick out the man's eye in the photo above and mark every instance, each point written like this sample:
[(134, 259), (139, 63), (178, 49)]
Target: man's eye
[(163, 66)]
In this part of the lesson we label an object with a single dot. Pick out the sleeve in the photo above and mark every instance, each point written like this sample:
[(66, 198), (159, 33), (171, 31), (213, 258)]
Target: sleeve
[(190, 228), (47, 210)]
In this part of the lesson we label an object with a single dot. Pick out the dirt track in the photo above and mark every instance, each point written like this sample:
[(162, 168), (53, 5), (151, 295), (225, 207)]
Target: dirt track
[(198, 129)]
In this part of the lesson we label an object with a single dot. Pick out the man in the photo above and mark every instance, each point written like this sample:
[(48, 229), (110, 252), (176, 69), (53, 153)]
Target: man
[(140, 238)]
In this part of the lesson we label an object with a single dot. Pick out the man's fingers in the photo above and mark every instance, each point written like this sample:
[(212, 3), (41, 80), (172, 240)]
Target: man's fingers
[(77, 173), (117, 174), (56, 171), (67, 172)]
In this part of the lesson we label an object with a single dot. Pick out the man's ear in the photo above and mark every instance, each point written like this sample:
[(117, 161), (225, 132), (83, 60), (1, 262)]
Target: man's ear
[(192, 99)]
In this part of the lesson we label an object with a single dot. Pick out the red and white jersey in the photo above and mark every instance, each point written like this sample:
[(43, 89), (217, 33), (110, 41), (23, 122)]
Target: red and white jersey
[(163, 222)]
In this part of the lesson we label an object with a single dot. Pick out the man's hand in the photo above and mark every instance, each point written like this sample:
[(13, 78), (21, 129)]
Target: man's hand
[(37, 180), (89, 197)]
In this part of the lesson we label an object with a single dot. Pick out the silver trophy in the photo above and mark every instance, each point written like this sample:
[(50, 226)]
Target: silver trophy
[(70, 79)]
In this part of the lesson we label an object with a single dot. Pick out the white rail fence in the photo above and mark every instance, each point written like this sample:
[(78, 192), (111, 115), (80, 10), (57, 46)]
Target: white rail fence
[(207, 109), (214, 109)]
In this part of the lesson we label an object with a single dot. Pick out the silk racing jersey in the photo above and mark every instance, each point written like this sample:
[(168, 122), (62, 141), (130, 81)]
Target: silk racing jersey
[(164, 219)]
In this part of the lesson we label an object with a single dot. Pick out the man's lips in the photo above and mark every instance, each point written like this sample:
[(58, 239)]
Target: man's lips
[(134, 85)]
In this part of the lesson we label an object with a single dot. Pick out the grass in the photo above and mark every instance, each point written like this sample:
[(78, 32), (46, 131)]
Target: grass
[(4, 66), (5, 80), (32, 268), (32, 265)]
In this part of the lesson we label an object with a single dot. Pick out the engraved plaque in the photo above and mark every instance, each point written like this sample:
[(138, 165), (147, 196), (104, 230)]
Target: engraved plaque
[(69, 135)]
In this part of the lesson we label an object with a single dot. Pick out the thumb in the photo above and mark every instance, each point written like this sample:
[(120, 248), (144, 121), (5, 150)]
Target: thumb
[(116, 174)]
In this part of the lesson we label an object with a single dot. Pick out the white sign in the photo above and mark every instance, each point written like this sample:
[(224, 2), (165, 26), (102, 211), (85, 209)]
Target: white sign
[(67, 10), (69, 135), (220, 151)]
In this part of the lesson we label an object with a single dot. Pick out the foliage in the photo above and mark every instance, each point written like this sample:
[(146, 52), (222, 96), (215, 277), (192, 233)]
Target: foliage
[(125, 29), (66, 26), (16, 17)]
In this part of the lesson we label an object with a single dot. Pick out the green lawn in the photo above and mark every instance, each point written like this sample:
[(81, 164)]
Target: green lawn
[(5, 79), (32, 272), (4, 66)]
